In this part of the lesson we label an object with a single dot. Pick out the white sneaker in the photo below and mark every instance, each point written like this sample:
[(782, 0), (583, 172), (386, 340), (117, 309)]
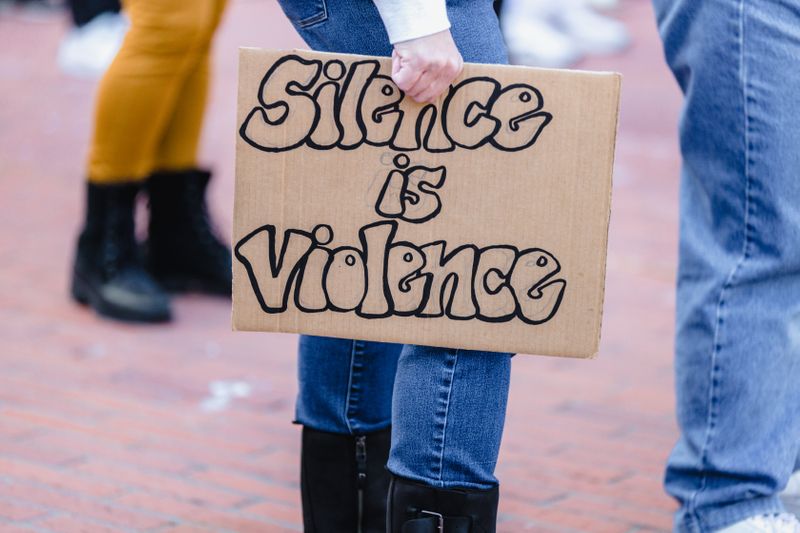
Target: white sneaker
[(792, 489), (530, 37), (791, 494), (591, 32), (777, 523), (89, 50)]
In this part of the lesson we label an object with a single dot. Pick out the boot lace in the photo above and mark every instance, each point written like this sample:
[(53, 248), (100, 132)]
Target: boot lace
[(119, 243)]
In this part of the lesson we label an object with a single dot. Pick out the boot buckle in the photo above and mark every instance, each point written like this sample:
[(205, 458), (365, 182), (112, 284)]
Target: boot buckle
[(439, 519)]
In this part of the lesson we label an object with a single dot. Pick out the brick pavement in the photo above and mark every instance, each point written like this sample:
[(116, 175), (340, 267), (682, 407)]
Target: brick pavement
[(186, 427)]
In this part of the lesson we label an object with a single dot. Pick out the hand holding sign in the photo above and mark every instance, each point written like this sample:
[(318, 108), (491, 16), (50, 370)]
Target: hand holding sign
[(423, 68)]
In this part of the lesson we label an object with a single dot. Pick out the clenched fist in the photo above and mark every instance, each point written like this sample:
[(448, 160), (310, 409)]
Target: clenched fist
[(423, 68)]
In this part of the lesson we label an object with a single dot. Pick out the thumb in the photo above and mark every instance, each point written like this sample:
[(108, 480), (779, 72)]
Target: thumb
[(403, 75)]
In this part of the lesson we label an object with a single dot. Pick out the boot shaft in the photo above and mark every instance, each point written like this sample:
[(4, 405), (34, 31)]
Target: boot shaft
[(108, 237), (344, 482), (177, 201), (183, 251)]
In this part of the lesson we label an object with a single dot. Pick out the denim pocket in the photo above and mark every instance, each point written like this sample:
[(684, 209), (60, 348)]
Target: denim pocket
[(305, 13)]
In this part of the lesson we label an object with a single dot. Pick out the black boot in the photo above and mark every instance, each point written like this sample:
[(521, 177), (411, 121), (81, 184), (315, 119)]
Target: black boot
[(109, 274), (418, 508), (344, 482), (182, 251)]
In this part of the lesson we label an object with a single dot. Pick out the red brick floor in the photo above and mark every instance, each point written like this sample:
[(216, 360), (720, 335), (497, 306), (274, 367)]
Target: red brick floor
[(106, 427)]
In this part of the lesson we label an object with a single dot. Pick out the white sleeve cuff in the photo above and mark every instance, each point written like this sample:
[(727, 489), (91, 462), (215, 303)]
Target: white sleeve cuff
[(411, 19)]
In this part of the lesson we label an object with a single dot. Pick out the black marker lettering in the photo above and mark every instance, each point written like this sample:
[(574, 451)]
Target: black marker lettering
[(407, 284), (287, 115), (467, 122), (310, 296), (451, 281), (518, 108), (375, 240), (385, 278), (369, 108), (493, 294), (346, 279), (538, 299), (271, 274)]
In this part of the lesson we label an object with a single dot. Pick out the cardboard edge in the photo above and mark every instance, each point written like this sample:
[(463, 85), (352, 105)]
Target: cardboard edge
[(502, 66), (577, 355), (617, 77), (241, 52)]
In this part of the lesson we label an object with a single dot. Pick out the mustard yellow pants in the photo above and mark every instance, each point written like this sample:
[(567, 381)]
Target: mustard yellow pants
[(151, 101)]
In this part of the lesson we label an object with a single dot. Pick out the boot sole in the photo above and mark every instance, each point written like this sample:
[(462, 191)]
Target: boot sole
[(83, 293)]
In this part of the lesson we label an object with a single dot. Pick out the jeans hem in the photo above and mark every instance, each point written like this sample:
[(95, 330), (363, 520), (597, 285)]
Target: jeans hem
[(360, 430), (440, 483), (714, 519)]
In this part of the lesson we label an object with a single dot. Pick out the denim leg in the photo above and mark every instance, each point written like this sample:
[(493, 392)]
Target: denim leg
[(738, 300), (345, 386), (355, 27), (447, 416)]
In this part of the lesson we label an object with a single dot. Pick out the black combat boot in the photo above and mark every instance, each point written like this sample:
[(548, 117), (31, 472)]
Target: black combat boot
[(109, 274), (182, 251), (418, 508), (344, 481)]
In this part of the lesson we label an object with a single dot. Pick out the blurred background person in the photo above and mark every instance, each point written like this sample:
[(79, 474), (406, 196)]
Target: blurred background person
[(94, 39), (737, 344), (149, 113), (558, 33)]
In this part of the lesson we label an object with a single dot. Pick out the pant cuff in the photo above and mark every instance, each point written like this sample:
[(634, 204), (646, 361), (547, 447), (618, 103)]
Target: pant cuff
[(340, 429), (713, 519), (438, 483)]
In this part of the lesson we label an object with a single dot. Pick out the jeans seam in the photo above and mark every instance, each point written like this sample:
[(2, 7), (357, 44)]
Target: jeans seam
[(452, 371), (745, 254), (316, 18), (349, 387)]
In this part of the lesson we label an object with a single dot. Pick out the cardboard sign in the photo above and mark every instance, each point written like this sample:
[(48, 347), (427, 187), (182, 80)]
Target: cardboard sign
[(477, 222)]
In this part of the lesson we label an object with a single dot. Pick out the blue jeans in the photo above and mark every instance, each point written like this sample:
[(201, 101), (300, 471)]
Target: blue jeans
[(738, 300), (446, 407)]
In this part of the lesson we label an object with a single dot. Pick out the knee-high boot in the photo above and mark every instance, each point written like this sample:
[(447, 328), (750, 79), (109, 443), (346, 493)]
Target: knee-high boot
[(344, 481)]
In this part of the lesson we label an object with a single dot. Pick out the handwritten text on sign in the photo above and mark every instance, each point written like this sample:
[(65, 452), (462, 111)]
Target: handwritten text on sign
[(322, 105)]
